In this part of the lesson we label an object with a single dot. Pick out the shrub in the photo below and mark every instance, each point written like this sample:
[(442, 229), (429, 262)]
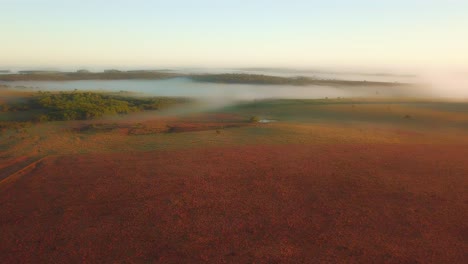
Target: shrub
[(42, 118), (254, 119)]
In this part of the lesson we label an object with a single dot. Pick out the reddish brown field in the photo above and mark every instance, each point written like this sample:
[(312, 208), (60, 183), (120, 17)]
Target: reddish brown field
[(332, 203)]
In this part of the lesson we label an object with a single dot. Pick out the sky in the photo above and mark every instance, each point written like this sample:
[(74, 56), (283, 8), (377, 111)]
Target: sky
[(233, 33)]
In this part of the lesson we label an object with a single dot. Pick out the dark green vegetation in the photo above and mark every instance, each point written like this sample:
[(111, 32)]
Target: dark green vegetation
[(86, 75), (276, 80), (79, 106), (45, 106)]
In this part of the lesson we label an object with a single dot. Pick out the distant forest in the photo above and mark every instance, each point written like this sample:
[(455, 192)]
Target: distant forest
[(242, 78), (85, 75), (234, 78)]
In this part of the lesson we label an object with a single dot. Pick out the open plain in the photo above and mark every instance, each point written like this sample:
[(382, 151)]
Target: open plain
[(329, 180)]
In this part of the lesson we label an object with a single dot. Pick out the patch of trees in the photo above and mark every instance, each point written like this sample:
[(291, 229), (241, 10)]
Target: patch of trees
[(79, 106), (75, 105)]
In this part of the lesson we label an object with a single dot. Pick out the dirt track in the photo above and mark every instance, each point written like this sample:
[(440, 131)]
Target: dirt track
[(329, 203)]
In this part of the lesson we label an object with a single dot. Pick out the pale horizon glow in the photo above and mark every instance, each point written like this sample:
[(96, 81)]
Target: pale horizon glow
[(213, 33)]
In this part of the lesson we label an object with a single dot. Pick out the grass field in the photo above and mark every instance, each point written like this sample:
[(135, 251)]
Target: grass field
[(331, 181)]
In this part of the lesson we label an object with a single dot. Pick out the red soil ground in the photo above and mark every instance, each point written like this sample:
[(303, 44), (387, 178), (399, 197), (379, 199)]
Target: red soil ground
[(10, 165), (262, 204)]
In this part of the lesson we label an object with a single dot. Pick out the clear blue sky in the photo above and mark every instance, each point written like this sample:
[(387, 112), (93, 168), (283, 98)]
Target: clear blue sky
[(211, 33)]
